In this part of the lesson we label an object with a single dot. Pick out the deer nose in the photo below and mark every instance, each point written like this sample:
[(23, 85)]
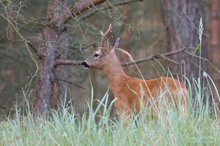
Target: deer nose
[(85, 64)]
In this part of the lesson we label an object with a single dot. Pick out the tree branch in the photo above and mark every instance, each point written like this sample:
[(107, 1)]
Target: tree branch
[(79, 62), (119, 3), (39, 55), (153, 57), (14, 59), (67, 62), (69, 82), (204, 59), (90, 46), (80, 7)]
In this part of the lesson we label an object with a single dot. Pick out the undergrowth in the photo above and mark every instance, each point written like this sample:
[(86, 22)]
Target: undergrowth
[(63, 127)]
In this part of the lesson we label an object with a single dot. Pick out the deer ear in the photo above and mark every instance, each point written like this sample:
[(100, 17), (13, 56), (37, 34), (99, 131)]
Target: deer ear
[(117, 42), (111, 40), (109, 43)]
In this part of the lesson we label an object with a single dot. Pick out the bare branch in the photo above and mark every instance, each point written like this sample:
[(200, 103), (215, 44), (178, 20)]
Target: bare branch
[(154, 57), (90, 46), (118, 3), (70, 82), (39, 55), (67, 62), (14, 59), (205, 59), (79, 62), (82, 6)]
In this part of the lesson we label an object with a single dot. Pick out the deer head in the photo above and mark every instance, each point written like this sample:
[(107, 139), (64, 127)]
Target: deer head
[(105, 52)]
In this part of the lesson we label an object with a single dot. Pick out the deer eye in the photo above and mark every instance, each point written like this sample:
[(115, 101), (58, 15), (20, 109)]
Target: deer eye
[(96, 55)]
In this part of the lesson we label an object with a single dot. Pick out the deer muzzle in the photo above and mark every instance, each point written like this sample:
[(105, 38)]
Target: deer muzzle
[(84, 64)]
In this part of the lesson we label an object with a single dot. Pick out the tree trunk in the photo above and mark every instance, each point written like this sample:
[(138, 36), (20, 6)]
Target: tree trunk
[(11, 33), (181, 19), (60, 86), (214, 45), (53, 47)]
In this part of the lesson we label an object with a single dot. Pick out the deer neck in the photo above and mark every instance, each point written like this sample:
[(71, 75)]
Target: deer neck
[(114, 73)]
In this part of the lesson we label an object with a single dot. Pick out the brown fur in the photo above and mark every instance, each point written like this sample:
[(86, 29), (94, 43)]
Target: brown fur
[(132, 92)]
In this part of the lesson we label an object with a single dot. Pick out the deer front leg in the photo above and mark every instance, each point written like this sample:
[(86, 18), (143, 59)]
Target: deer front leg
[(124, 113)]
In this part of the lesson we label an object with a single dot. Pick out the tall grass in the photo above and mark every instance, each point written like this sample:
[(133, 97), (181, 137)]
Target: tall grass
[(64, 128)]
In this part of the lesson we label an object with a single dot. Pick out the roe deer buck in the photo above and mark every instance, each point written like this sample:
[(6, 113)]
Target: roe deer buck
[(132, 92)]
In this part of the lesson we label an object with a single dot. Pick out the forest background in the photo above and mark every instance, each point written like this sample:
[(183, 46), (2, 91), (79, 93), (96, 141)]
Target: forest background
[(42, 44)]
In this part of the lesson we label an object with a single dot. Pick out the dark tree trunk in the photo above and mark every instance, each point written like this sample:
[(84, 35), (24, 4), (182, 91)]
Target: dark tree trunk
[(214, 45), (11, 33), (53, 47), (181, 19)]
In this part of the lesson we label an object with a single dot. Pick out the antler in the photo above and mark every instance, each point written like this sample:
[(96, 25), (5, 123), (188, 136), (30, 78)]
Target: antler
[(105, 34)]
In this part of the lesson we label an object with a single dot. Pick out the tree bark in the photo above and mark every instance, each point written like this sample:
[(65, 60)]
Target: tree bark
[(11, 32), (214, 45), (181, 19), (12, 42), (51, 86), (53, 46), (60, 86)]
